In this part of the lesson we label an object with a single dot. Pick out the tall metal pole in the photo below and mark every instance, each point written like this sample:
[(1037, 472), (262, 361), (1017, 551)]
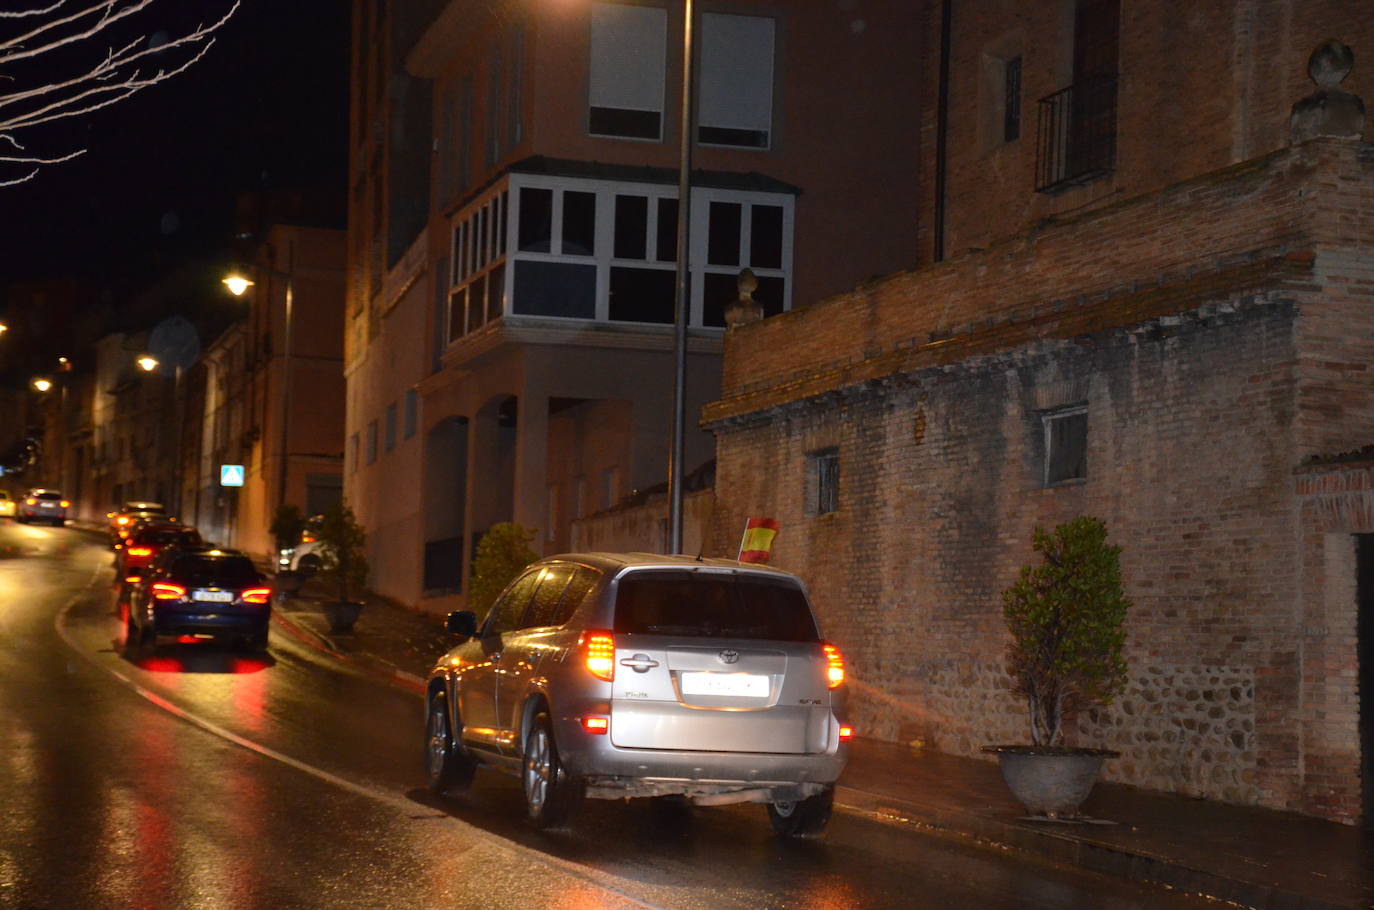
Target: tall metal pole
[(684, 296), (286, 370)]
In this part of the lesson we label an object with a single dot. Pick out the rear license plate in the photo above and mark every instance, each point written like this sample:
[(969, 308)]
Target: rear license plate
[(222, 597), (748, 684)]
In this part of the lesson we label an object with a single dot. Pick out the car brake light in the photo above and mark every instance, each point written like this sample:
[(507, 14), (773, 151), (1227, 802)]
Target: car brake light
[(164, 591), (598, 648), (834, 673), (257, 595), (846, 733), (140, 551), (66, 504), (133, 579), (596, 724), (307, 537)]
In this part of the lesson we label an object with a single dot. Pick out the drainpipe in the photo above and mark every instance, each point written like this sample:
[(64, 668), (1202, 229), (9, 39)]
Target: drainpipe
[(942, 130)]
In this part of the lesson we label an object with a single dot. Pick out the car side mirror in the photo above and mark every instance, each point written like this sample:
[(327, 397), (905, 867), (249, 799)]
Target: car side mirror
[(462, 622)]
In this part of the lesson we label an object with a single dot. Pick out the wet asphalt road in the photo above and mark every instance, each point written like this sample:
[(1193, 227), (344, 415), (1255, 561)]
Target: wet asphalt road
[(201, 778)]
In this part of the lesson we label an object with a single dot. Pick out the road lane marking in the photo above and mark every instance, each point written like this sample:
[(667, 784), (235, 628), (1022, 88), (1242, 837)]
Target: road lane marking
[(405, 806)]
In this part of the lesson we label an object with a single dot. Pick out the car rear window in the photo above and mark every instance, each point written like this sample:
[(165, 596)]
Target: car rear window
[(170, 537), (217, 572), (52, 496), (699, 605)]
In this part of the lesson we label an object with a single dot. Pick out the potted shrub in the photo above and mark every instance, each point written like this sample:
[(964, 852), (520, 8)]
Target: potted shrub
[(1066, 617), (287, 524), (342, 565)]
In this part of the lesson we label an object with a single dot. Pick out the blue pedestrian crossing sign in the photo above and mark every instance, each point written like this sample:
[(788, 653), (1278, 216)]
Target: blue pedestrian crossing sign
[(231, 475)]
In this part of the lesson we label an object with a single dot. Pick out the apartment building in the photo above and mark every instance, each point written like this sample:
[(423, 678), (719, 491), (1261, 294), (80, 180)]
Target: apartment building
[(512, 241)]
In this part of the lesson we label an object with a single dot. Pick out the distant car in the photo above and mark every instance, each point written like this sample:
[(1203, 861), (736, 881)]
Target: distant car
[(122, 520), (149, 538), (616, 675), (43, 505), (7, 505), (306, 556), (202, 593)]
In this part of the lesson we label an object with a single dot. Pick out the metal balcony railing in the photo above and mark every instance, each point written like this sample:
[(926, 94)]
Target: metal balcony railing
[(1076, 137)]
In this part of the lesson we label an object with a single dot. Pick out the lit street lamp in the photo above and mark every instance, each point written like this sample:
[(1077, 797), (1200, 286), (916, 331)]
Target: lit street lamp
[(42, 384), (147, 362), (238, 285)]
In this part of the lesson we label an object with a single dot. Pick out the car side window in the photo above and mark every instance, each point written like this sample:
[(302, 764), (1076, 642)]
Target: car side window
[(552, 581), (583, 581), (506, 612)]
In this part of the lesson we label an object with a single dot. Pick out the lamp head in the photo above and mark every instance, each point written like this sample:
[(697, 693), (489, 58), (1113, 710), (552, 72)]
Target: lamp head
[(42, 384), (236, 284)]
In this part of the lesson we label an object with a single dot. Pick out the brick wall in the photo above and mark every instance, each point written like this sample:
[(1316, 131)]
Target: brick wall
[(1220, 335)]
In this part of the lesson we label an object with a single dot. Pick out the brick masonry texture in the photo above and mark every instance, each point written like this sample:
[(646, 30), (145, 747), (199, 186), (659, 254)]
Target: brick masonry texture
[(1209, 389)]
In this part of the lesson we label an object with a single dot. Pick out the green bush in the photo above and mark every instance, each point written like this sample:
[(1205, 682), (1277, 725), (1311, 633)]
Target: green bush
[(1066, 619), (342, 541), (502, 553), (287, 524)]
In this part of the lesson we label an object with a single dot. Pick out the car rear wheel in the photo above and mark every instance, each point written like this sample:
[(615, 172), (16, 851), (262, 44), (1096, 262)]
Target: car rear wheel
[(803, 818), (550, 793), (447, 768)]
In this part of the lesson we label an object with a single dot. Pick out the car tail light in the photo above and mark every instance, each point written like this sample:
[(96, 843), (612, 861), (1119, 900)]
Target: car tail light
[(257, 595), (307, 537), (598, 649), (66, 504), (140, 551), (596, 724), (165, 591), (122, 520), (834, 671), (133, 579), (30, 501), (846, 733)]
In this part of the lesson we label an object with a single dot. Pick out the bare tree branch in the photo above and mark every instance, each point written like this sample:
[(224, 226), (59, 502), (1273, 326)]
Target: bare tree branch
[(114, 77)]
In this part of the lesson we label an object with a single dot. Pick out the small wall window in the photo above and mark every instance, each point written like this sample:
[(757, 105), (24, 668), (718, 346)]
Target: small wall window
[(736, 101), (551, 494), (610, 487), (823, 482), (372, 442), (389, 438), (1011, 103), (352, 454), (412, 412), (1066, 445)]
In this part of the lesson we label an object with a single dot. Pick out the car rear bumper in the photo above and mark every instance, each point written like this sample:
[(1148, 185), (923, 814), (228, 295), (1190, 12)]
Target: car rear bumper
[(172, 622), (613, 772)]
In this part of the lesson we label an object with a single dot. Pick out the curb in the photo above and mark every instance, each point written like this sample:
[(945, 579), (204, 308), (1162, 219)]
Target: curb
[(399, 678), (1074, 850)]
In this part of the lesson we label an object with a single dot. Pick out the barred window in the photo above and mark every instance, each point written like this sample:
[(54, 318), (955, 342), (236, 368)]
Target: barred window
[(823, 482), (1066, 445)]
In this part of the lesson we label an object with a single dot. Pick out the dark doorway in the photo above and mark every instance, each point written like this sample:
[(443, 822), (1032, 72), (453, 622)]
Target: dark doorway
[(1364, 561)]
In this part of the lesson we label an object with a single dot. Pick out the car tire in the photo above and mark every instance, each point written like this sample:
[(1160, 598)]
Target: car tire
[(447, 766), (805, 818), (550, 792)]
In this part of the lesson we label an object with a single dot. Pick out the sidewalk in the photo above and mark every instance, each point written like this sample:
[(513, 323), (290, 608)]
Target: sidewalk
[(1250, 857)]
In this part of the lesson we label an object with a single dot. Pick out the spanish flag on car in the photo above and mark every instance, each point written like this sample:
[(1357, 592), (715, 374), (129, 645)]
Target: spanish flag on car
[(757, 544)]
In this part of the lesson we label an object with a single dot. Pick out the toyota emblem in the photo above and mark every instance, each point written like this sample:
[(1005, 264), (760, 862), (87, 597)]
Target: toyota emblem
[(729, 656)]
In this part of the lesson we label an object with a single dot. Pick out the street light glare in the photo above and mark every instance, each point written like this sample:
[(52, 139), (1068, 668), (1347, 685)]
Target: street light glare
[(148, 363), (42, 385), (236, 284)]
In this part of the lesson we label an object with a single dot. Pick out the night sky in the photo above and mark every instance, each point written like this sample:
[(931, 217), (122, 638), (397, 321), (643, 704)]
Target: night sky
[(266, 108)]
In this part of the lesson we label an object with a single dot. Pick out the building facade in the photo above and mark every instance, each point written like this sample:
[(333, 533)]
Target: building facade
[(513, 243), (1159, 313)]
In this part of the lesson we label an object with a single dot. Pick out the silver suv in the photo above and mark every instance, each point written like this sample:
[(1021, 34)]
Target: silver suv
[(612, 675)]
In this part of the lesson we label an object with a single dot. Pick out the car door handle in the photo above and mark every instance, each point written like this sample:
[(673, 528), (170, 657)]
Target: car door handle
[(640, 663)]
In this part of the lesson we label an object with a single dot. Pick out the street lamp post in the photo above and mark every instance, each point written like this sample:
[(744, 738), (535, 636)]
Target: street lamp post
[(148, 363), (238, 285), (683, 302)]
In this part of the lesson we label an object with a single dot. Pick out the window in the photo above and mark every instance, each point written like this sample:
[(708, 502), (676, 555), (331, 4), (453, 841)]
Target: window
[(389, 437), (1066, 445), (506, 612), (579, 497), (628, 68), (1011, 100), (412, 412), (823, 482), (610, 487), (372, 442), (494, 70), (736, 101), (543, 608), (515, 88), (352, 453), (551, 494)]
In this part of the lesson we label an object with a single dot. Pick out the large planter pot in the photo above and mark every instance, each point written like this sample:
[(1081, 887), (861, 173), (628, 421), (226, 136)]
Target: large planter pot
[(1050, 781), (341, 615)]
